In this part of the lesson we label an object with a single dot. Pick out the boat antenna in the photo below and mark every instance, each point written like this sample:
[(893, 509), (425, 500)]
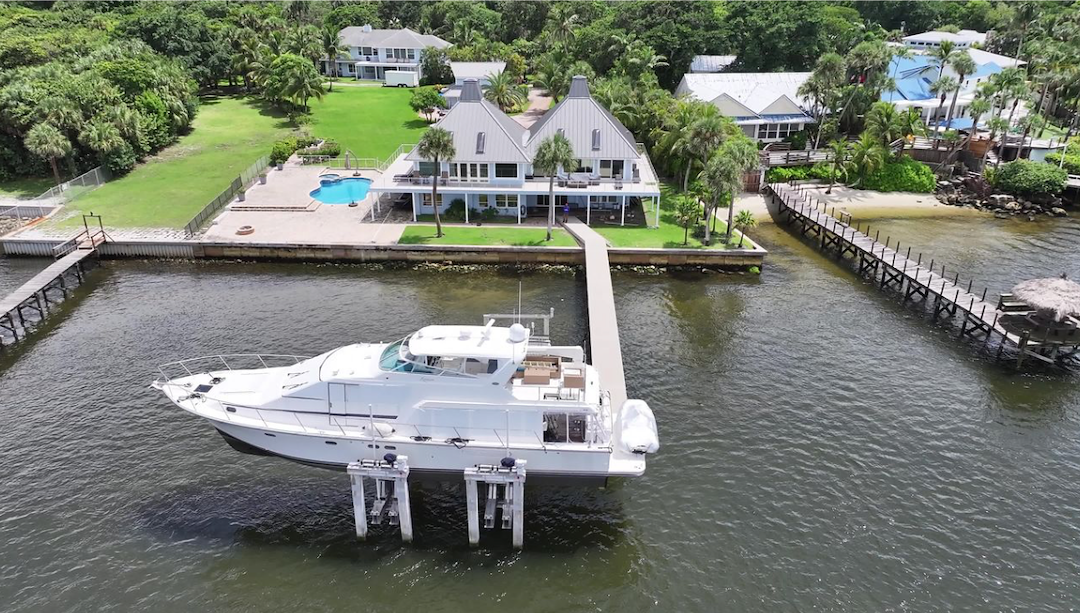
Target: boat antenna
[(519, 302)]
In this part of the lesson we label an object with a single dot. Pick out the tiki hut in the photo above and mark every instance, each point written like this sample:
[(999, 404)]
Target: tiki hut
[(1054, 299)]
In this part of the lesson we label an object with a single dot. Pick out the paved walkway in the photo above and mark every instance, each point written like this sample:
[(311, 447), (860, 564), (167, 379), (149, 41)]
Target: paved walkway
[(605, 349), (539, 103)]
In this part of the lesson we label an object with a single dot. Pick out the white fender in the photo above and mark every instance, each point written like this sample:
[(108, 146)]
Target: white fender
[(638, 427)]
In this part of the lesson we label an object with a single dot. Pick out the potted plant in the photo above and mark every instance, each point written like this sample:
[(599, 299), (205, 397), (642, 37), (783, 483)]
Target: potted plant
[(262, 178), (280, 165), (241, 195)]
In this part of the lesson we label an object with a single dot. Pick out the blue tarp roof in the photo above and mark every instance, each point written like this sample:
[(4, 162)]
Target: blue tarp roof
[(957, 123)]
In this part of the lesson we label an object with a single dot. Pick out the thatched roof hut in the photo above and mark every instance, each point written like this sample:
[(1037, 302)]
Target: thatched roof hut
[(1055, 298)]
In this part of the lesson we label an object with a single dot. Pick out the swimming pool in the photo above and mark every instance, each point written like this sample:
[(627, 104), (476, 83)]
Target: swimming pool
[(341, 190)]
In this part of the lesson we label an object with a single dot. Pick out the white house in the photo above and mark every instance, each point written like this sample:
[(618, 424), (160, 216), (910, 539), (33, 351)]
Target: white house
[(765, 104), (493, 166), (930, 40), (372, 52), (481, 71)]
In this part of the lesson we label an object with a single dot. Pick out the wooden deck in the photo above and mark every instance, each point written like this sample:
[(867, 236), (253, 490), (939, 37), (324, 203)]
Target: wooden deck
[(891, 266), (605, 350)]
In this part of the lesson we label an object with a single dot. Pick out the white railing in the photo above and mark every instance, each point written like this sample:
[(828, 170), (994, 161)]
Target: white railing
[(394, 156), (223, 359)]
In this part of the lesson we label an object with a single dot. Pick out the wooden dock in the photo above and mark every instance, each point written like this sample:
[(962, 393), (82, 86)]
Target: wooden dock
[(30, 303), (605, 350), (892, 267)]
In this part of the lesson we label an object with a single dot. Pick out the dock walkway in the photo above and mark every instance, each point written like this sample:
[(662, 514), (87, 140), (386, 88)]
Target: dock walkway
[(604, 347), (33, 296), (890, 267)]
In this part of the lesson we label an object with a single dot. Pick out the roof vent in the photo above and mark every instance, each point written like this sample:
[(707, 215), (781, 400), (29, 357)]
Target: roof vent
[(480, 139), (560, 132), (596, 139), (367, 27)]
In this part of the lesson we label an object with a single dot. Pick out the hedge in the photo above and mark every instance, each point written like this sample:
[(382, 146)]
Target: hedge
[(1072, 162), (780, 174), (906, 175), (1027, 178)]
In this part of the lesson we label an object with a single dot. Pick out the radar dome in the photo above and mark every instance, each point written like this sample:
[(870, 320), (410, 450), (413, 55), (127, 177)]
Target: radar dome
[(518, 333)]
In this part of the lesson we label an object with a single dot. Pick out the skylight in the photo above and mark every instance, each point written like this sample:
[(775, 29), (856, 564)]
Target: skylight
[(480, 141)]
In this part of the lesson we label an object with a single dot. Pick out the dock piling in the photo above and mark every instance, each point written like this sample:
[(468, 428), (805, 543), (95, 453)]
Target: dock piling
[(505, 492), (392, 503)]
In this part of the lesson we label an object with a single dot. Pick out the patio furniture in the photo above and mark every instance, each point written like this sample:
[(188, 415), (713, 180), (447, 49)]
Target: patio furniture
[(536, 376)]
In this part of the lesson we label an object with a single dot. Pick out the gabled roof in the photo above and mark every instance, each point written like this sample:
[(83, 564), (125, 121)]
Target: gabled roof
[(578, 115), (476, 70), (915, 75), (936, 37), (365, 36), (470, 117), (711, 63), (755, 91)]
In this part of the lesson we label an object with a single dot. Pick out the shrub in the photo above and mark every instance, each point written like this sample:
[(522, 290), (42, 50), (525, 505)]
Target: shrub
[(824, 172), (456, 210), (797, 140), (1029, 178), (282, 150), (489, 214), (121, 160), (780, 174), (329, 149), (1072, 162), (907, 175), (754, 270)]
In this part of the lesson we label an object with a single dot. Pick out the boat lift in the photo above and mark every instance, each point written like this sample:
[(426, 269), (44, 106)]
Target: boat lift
[(505, 491), (391, 476)]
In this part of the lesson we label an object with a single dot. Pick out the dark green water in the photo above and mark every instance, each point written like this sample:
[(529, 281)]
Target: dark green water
[(823, 449)]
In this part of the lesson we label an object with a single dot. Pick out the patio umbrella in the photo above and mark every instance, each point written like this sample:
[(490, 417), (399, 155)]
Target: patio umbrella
[(1058, 297)]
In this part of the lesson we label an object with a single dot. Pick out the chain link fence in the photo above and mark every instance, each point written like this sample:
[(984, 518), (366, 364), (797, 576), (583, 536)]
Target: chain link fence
[(247, 176), (70, 190)]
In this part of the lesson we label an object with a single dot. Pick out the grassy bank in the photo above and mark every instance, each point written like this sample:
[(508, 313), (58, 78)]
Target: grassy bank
[(166, 191), (369, 121), (670, 234), (25, 188), (484, 235)]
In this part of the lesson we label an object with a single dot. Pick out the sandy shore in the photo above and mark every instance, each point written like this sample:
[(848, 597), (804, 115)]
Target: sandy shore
[(862, 204)]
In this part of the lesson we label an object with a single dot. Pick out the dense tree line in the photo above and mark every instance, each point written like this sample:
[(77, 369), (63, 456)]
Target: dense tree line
[(144, 60)]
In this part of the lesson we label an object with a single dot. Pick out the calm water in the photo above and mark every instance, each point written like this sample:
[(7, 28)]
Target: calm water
[(823, 449)]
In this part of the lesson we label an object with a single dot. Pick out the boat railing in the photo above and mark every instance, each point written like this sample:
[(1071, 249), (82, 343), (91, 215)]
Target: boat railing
[(229, 361)]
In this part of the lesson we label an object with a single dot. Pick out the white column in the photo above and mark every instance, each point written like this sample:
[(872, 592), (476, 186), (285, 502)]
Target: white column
[(622, 219), (588, 210), (656, 202), (401, 492), (415, 197), (520, 197), (466, 199), (472, 500), (359, 504)]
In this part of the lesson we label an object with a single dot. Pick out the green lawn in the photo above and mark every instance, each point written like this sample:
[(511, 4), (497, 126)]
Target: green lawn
[(25, 187), (227, 136), (369, 121), (484, 235), (669, 235)]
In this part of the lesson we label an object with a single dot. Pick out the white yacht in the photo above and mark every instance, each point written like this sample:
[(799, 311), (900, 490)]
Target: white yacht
[(448, 397)]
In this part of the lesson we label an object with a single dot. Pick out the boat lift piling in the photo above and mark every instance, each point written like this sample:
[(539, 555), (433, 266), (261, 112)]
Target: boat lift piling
[(391, 476), (505, 491)]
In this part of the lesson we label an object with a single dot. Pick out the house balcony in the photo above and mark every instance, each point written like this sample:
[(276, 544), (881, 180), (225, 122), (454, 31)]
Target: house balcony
[(374, 60)]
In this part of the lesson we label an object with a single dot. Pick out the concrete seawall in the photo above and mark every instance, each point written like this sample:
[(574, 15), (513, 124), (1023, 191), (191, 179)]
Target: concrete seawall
[(462, 254)]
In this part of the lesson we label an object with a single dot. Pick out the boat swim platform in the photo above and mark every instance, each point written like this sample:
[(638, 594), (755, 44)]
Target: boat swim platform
[(892, 268), (29, 304)]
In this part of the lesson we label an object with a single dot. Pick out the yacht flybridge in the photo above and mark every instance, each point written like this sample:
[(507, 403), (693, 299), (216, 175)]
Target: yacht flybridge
[(448, 397)]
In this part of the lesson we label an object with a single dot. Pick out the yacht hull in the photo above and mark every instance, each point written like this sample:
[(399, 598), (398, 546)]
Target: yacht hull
[(428, 460)]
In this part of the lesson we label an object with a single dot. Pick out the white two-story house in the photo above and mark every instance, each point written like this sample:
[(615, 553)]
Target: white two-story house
[(613, 180), (372, 52)]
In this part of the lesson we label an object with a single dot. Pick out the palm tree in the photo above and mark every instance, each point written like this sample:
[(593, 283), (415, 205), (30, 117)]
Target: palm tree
[(911, 125), (745, 219), (333, 48), (941, 89), (839, 160), (554, 152), (867, 157), (687, 211), (676, 142), (723, 175), (943, 55), (101, 136), (1013, 86), (437, 144), (978, 107), (822, 88), (963, 66), (883, 122), (899, 53), (706, 134), (502, 91), (46, 141)]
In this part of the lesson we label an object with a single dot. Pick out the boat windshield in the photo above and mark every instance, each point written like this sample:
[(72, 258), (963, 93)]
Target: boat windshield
[(397, 358), (391, 357)]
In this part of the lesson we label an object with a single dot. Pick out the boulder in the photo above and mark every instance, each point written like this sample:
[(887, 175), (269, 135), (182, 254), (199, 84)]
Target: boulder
[(1011, 206), (1000, 214), (1058, 211)]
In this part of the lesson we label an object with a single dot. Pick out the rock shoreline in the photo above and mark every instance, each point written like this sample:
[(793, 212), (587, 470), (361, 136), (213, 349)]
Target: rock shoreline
[(974, 192)]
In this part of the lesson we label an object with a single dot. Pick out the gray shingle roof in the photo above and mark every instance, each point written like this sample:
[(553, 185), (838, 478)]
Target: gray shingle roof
[(355, 36), (473, 115), (578, 115)]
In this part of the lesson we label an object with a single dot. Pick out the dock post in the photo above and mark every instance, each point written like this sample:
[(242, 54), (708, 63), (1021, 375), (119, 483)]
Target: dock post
[(391, 476), (505, 492)]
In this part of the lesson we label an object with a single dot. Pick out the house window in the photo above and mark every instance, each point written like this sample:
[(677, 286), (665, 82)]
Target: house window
[(506, 171), (469, 172), (481, 138), (427, 169), (611, 168), (427, 200), (482, 200), (596, 140), (367, 51), (585, 166), (412, 54), (777, 130), (506, 201)]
